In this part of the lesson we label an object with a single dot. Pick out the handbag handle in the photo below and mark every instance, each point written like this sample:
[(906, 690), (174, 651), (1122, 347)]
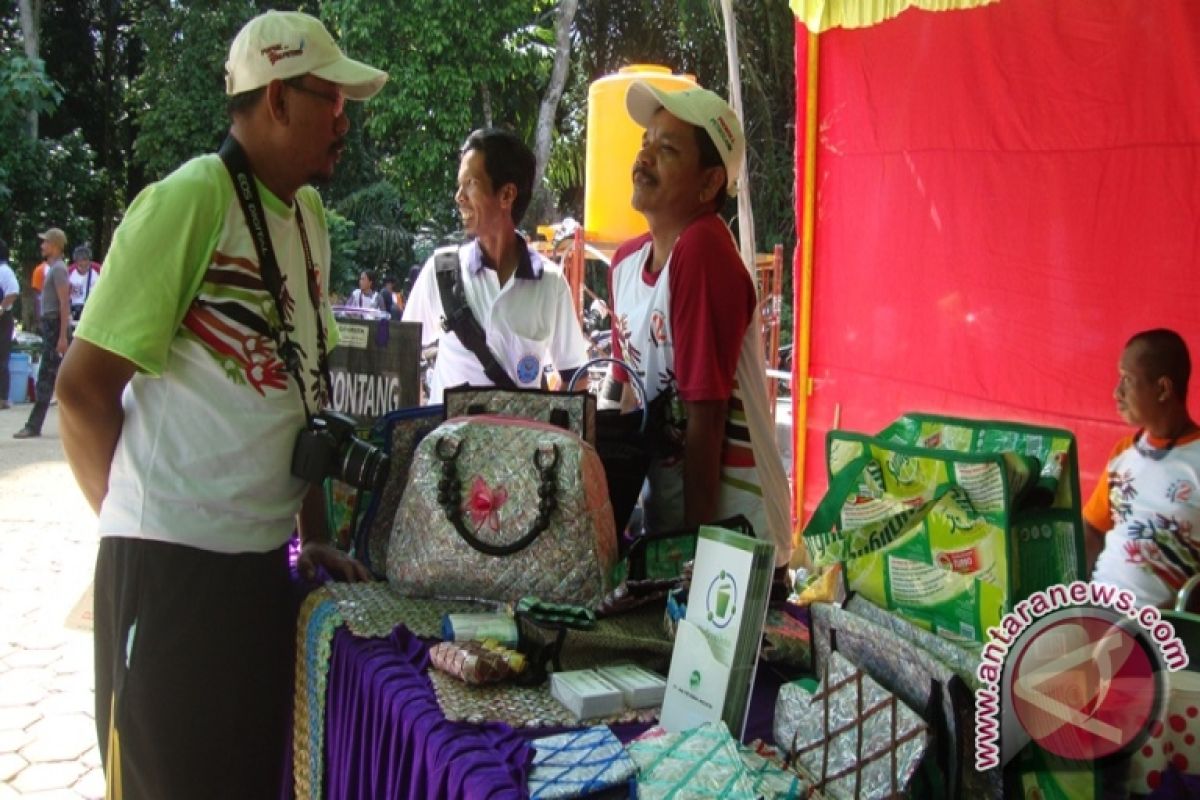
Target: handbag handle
[(545, 459), (638, 386)]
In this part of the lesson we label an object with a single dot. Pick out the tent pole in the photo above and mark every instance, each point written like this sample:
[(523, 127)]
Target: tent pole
[(746, 233), (807, 52)]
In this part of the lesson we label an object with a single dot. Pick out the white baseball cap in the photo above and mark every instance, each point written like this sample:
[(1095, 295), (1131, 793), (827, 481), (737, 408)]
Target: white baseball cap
[(699, 107), (279, 45)]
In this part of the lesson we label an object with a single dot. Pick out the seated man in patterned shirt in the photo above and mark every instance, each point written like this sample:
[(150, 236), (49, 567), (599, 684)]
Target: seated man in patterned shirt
[(1143, 519)]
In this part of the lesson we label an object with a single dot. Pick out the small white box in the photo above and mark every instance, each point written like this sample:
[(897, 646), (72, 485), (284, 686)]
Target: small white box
[(585, 694), (640, 687)]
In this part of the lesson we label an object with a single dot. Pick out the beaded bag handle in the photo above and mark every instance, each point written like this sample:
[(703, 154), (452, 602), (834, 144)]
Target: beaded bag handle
[(545, 459)]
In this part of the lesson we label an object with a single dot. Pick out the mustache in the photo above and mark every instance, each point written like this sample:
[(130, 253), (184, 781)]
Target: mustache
[(645, 174)]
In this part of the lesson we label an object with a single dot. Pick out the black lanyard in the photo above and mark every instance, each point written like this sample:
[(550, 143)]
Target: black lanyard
[(291, 353)]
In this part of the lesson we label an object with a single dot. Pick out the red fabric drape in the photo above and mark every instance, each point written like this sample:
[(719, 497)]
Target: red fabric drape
[(1004, 196)]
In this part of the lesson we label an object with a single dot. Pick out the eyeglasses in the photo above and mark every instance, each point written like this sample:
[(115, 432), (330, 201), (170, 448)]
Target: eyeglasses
[(338, 100)]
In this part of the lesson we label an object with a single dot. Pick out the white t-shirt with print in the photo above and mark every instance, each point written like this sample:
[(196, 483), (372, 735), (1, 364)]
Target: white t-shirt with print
[(1152, 501), (529, 323), (82, 284), (753, 481), (211, 417)]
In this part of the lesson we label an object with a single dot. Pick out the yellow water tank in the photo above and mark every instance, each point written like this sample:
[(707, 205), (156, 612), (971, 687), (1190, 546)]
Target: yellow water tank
[(613, 140)]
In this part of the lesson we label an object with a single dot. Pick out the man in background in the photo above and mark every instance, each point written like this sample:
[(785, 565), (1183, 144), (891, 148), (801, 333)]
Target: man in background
[(1142, 522), (9, 291), (392, 301), (37, 281), (54, 328), (84, 275)]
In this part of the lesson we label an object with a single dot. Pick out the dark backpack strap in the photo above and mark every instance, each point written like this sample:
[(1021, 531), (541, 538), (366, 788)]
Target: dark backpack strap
[(461, 322)]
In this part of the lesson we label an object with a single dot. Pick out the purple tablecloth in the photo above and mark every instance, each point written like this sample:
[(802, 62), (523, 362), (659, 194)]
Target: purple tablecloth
[(386, 736)]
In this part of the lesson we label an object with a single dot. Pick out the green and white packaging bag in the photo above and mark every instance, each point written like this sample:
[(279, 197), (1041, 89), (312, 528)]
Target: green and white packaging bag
[(931, 520)]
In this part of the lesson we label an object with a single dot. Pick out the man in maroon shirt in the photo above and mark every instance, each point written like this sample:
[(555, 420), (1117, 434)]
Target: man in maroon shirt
[(685, 318)]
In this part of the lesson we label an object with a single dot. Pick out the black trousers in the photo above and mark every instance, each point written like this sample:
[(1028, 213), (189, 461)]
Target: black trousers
[(47, 373), (6, 332), (194, 670)]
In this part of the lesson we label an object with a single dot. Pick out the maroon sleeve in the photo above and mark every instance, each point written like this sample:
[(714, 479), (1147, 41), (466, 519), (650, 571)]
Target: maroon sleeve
[(712, 303)]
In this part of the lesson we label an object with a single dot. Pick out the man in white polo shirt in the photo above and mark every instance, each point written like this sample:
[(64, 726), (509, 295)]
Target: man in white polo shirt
[(685, 317), (519, 299)]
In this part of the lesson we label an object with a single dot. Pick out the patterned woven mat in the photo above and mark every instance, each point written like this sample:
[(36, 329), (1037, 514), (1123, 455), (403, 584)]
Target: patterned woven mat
[(315, 627), (372, 610), (517, 706)]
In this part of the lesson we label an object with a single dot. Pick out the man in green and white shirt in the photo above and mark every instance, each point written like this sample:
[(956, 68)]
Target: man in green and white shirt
[(179, 417)]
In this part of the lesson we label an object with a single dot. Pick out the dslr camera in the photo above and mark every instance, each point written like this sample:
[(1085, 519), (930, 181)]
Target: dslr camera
[(328, 448)]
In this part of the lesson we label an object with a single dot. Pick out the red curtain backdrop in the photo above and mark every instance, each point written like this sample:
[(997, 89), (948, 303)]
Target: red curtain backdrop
[(1003, 196)]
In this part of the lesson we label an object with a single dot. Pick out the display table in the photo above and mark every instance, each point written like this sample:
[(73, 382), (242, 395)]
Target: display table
[(385, 735)]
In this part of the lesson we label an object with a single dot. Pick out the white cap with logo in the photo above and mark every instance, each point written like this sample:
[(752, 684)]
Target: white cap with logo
[(279, 45), (699, 107)]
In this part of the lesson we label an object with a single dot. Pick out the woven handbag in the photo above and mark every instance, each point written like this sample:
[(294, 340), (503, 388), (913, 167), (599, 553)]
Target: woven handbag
[(398, 433), (575, 411), (497, 508)]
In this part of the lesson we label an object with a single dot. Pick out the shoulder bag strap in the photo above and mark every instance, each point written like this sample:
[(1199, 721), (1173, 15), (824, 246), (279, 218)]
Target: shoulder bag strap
[(461, 322)]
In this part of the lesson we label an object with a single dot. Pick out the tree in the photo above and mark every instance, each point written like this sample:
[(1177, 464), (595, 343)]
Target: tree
[(31, 20), (446, 62), (547, 111), (87, 46), (178, 99), (132, 88), (31, 168)]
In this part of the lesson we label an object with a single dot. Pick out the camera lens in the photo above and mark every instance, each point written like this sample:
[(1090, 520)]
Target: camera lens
[(364, 466)]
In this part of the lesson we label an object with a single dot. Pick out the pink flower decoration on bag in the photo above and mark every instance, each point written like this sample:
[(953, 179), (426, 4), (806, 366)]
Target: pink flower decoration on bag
[(484, 503)]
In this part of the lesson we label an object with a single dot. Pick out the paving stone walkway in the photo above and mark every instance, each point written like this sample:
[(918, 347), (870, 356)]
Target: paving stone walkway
[(47, 550)]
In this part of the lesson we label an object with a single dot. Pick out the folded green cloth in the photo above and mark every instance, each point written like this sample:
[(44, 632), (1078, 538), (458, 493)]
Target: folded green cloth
[(546, 613)]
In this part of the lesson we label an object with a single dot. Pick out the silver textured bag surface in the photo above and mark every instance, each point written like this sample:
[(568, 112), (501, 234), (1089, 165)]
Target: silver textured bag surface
[(575, 411), (853, 736), (499, 508)]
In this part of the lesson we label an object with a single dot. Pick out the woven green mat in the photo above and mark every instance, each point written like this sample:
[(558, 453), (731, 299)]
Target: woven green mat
[(518, 706), (372, 610)]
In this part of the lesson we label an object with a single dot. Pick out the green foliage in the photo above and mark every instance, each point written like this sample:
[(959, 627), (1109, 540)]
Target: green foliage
[(383, 243), (140, 82), (178, 98), (343, 244), (448, 62), (24, 87), (43, 182)]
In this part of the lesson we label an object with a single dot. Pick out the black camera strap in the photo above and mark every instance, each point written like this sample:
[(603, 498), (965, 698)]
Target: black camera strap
[(234, 158), (460, 320)]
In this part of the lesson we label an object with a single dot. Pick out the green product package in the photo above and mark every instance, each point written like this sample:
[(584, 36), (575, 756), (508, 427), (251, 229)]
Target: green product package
[(1039, 775), (950, 522)]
